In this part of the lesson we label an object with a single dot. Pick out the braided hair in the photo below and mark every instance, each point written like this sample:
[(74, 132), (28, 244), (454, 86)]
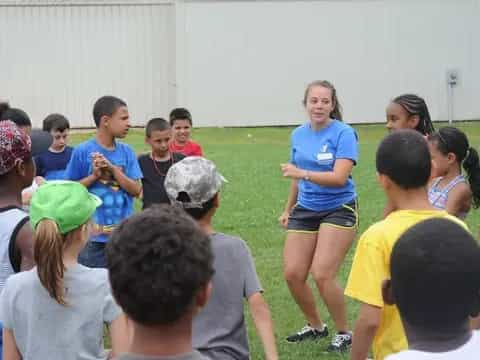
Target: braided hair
[(415, 105)]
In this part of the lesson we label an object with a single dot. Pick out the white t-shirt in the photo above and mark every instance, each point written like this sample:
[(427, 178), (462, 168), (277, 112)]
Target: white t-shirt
[(469, 351)]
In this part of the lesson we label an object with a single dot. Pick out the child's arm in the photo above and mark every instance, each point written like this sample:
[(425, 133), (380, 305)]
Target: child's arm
[(24, 243), (264, 324), (133, 187), (77, 168), (120, 336), (365, 328), (28, 192), (364, 284), (10, 349), (458, 199), (89, 180)]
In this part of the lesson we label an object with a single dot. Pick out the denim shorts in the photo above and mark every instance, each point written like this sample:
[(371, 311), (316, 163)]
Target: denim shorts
[(305, 220), (93, 255)]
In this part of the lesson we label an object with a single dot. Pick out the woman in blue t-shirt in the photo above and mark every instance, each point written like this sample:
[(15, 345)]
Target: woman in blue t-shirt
[(321, 213)]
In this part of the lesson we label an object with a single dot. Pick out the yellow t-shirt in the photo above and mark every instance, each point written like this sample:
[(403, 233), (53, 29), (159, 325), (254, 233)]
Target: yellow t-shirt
[(371, 266)]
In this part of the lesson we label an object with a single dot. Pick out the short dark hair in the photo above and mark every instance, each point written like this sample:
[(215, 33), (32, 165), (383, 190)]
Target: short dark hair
[(180, 114), (106, 106), (435, 275), (18, 116), (156, 124), (55, 122), (404, 157), (196, 213), (156, 271)]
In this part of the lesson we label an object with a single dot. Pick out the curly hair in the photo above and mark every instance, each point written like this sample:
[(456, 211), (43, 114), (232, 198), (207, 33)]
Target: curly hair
[(158, 260)]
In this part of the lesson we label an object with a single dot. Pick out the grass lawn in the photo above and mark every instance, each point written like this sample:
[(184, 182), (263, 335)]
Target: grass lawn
[(254, 198)]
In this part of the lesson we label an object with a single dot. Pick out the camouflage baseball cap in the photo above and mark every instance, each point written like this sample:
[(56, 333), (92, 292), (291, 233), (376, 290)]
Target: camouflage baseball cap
[(196, 177)]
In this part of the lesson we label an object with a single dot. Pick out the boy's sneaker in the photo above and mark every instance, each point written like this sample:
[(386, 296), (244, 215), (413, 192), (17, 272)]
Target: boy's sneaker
[(308, 333), (340, 342)]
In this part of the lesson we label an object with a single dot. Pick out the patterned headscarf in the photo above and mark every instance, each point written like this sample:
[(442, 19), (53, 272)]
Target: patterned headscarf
[(15, 145)]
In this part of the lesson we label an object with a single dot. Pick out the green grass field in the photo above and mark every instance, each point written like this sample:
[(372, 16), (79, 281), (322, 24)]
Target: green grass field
[(254, 198)]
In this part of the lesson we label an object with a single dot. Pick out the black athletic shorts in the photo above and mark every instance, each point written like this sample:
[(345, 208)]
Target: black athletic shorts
[(305, 220)]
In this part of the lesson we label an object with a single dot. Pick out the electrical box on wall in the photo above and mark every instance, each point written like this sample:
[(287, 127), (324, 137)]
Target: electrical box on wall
[(452, 77)]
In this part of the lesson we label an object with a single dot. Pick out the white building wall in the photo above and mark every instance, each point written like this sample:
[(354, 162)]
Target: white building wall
[(236, 63), (247, 62), (60, 56)]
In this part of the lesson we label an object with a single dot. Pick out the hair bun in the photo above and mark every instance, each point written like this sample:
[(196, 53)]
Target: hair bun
[(4, 106)]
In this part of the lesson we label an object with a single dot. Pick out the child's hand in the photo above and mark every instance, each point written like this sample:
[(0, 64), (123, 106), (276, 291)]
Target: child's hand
[(101, 162), (97, 165), (39, 180), (105, 163)]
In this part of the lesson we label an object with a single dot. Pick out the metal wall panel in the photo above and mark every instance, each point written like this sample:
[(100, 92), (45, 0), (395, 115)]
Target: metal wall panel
[(62, 58), (248, 62)]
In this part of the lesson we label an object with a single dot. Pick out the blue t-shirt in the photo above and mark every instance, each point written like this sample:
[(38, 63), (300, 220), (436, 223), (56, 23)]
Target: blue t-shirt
[(317, 151), (51, 165), (117, 203)]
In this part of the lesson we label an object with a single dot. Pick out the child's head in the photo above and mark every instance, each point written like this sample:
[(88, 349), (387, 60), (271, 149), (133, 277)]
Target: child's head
[(449, 148), (403, 160), (321, 102), (194, 184), (160, 275), (18, 116), (181, 122), (409, 111), (435, 272), (16, 164), (158, 134), (111, 115), (60, 213), (58, 126)]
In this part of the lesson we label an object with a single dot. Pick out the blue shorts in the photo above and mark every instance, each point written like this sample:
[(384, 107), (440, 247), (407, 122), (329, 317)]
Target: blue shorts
[(93, 255)]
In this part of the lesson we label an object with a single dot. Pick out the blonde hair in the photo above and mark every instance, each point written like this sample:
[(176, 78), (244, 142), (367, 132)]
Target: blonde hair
[(49, 244)]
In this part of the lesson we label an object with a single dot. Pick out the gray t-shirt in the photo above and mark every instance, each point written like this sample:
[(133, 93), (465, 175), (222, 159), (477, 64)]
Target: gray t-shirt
[(44, 329), (194, 355), (219, 329)]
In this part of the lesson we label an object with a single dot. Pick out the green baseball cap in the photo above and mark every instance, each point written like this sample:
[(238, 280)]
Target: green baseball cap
[(68, 203)]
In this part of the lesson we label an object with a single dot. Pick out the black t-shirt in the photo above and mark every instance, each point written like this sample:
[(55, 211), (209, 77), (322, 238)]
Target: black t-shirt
[(154, 178)]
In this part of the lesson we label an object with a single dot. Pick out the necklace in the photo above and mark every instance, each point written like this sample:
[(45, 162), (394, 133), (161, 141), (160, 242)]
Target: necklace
[(156, 166)]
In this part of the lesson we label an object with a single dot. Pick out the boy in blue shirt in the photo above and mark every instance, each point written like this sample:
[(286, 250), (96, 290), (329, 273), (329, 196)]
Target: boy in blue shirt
[(52, 163), (110, 170)]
